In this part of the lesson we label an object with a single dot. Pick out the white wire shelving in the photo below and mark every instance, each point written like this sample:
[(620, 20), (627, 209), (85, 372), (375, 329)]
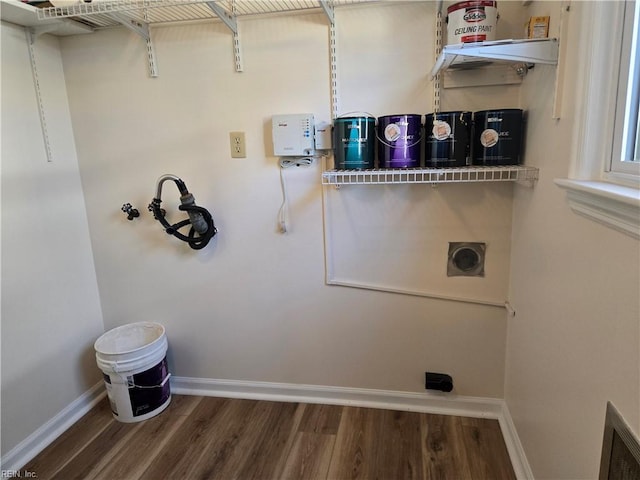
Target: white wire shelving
[(98, 13), (511, 173), (139, 15), (24, 15)]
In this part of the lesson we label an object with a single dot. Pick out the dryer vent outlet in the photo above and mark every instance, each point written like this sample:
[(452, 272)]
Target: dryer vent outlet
[(438, 381), (466, 259)]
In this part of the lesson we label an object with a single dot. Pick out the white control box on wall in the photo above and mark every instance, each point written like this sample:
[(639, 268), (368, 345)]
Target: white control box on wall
[(323, 136), (293, 135)]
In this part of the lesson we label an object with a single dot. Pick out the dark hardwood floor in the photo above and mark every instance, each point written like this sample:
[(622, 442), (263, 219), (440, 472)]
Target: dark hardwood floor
[(220, 438)]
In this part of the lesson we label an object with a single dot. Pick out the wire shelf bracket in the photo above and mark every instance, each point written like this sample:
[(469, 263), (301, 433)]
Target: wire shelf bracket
[(141, 29), (327, 7), (230, 20)]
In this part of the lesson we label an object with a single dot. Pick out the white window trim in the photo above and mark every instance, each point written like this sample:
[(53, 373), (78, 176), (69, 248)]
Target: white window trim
[(608, 198)]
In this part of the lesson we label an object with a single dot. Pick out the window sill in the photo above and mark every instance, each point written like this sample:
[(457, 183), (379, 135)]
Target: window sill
[(615, 206)]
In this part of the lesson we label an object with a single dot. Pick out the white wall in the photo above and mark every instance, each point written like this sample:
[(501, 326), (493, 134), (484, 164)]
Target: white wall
[(574, 343), (50, 305), (253, 304)]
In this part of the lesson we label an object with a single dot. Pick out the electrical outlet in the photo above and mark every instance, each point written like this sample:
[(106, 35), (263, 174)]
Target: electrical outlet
[(237, 145)]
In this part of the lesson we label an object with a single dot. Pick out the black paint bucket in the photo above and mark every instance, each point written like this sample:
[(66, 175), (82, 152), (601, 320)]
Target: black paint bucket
[(498, 136), (354, 140), (447, 139), (399, 139)]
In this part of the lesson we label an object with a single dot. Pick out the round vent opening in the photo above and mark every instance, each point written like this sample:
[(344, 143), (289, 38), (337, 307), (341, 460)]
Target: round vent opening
[(466, 259)]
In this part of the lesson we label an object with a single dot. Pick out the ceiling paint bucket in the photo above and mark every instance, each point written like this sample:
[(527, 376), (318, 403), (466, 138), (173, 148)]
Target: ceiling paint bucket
[(399, 141), (447, 140), (133, 360), (354, 140), (472, 21), (498, 137)]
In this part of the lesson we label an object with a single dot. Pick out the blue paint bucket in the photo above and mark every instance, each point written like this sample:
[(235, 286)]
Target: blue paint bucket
[(447, 139), (497, 137), (354, 140), (399, 141)]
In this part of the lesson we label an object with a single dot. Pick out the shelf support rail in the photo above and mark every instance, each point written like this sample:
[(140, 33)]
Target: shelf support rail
[(141, 29), (438, 48), (328, 8), (31, 34), (335, 103), (230, 20)]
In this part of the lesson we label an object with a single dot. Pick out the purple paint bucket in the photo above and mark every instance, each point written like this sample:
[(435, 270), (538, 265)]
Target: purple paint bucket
[(399, 141)]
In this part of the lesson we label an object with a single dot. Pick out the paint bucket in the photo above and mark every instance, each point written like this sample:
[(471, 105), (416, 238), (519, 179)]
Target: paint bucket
[(399, 141), (472, 21), (133, 360), (498, 136), (354, 140), (447, 139)]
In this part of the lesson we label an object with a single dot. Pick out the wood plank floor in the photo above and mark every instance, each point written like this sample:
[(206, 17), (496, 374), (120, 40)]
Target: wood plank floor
[(220, 438)]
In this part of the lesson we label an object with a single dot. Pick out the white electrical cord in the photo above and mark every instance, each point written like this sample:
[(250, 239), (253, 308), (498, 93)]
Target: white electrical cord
[(288, 162), (296, 162), (282, 213)]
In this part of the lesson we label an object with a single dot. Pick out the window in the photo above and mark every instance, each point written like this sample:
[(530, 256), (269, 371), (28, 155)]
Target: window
[(604, 180), (625, 156)]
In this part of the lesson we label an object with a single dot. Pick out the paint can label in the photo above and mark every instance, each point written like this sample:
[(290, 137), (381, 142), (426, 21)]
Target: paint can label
[(471, 21), (392, 132), (489, 137), (150, 389), (441, 130)]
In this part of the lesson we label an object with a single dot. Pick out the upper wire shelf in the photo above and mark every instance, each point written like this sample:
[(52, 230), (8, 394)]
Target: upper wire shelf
[(98, 13), (511, 173), (531, 51)]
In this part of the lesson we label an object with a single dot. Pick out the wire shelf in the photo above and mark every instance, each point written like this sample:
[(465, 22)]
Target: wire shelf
[(468, 55), (515, 173), (98, 13)]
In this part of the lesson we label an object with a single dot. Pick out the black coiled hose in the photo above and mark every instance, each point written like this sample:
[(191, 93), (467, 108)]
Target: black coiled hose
[(197, 238)]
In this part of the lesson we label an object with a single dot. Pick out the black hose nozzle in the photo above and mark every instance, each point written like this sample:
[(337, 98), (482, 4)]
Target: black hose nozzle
[(197, 220)]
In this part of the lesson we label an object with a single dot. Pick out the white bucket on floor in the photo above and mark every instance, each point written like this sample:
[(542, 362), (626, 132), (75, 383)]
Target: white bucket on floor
[(133, 360)]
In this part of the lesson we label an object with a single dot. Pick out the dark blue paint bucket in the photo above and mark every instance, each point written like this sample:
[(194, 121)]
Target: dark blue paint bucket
[(447, 139), (497, 137), (399, 141), (354, 140)]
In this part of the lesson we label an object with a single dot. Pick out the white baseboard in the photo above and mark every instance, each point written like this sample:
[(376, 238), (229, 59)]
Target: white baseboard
[(31, 446), (427, 402), (446, 404), (516, 451)]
